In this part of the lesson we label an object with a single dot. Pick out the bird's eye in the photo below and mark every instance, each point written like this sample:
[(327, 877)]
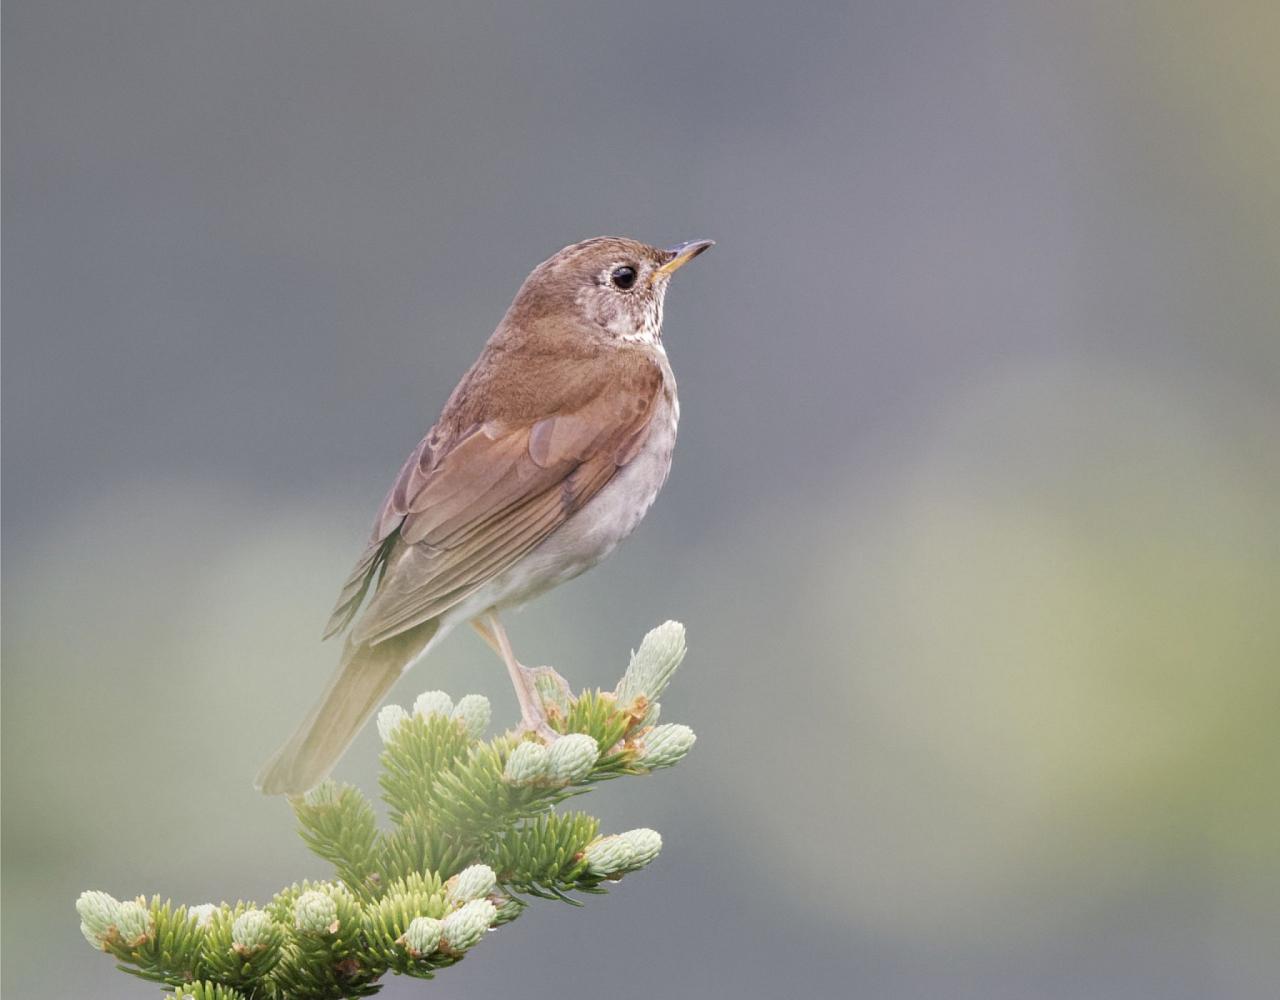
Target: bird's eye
[(623, 277)]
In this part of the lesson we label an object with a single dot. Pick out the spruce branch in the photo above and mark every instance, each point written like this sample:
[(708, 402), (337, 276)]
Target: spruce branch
[(474, 832)]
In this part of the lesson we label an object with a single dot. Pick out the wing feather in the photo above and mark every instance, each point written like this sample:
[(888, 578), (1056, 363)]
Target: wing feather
[(428, 583), (468, 504)]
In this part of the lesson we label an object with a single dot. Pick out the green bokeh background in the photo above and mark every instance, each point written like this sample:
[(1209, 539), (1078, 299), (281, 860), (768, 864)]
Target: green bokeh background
[(974, 522)]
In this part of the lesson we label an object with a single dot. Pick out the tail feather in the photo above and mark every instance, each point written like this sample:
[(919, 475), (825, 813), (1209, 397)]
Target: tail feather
[(364, 676)]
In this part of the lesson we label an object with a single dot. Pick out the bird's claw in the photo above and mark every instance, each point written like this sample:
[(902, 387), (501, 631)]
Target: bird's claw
[(540, 728), (551, 690)]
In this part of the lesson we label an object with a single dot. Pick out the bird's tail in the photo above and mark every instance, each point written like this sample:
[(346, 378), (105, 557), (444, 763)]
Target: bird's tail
[(364, 676)]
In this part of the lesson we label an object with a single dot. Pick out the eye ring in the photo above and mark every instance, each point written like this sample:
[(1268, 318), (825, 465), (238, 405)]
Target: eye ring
[(623, 277)]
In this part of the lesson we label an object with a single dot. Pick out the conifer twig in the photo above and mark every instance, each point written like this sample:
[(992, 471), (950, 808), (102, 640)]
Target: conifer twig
[(475, 833)]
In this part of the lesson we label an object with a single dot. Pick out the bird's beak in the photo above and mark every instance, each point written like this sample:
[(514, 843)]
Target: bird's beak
[(682, 253)]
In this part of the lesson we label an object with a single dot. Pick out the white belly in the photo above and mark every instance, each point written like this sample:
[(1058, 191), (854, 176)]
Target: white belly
[(590, 534)]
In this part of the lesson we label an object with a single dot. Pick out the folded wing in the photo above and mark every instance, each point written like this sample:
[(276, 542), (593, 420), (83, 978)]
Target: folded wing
[(469, 504)]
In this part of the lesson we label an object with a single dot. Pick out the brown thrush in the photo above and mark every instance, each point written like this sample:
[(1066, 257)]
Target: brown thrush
[(547, 455)]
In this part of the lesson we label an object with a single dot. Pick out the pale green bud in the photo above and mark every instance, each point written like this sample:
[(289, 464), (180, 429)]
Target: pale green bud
[(474, 712), (652, 664), (431, 703), (324, 794), (465, 926), (422, 936), (389, 719), (98, 914), (571, 757), (528, 763), (623, 852), (133, 921), (645, 845), (202, 913), (665, 745), (251, 932), (471, 883), (608, 855), (315, 913)]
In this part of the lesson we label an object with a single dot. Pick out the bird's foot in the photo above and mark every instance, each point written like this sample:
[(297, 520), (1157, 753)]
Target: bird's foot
[(551, 698), (552, 689), (540, 728)]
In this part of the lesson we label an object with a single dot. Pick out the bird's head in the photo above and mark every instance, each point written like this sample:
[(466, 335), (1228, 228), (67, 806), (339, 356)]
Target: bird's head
[(608, 286)]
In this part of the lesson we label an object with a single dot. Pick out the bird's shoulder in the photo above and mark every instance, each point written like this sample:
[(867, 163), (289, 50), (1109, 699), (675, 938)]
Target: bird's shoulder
[(519, 383)]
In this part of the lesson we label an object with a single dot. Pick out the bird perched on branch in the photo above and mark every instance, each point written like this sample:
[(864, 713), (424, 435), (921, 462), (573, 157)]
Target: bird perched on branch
[(547, 455)]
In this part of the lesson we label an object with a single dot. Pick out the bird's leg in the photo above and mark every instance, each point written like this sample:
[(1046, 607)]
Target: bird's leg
[(563, 694), (489, 638), (533, 717)]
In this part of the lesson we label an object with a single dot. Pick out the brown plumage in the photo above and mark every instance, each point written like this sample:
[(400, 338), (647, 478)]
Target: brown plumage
[(519, 485)]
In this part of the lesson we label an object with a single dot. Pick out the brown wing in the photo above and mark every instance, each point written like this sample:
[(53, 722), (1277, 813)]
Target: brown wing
[(464, 510)]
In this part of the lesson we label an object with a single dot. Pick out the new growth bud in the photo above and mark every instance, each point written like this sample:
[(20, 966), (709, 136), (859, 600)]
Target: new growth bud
[(324, 794), (571, 757), (652, 664), (465, 926), (431, 703), (471, 883), (251, 932), (622, 852), (98, 915), (389, 719), (133, 921), (665, 745), (607, 855), (315, 912), (474, 712), (645, 845), (529, 762), (422, 936)]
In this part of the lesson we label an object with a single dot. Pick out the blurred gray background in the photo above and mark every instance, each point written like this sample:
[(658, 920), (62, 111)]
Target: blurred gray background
[(973, 520)]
